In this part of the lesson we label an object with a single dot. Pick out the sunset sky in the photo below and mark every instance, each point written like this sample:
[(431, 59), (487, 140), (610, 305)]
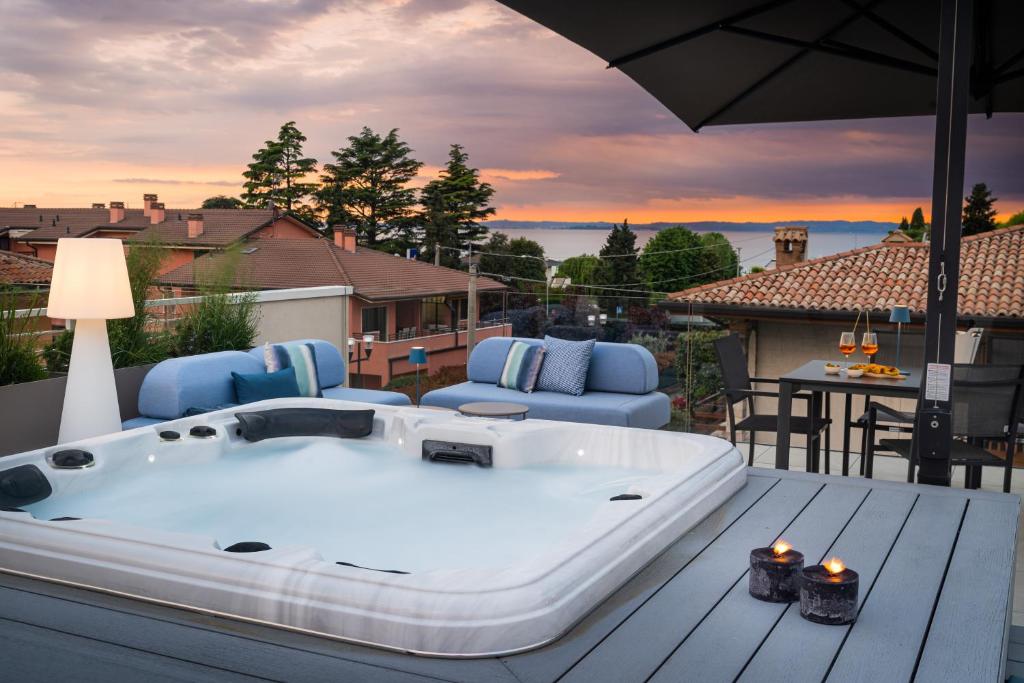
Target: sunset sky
[(106, 99)]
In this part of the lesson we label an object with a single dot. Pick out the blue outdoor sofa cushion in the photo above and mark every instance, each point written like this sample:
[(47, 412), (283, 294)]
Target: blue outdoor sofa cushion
[(177, 384), (649, 411), (617, 368), (620, 387)]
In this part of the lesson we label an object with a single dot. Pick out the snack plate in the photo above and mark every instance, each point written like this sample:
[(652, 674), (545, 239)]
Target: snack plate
[(878, 375)]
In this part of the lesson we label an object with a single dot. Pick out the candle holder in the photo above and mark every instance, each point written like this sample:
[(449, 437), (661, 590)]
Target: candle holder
[(775, 572), (828, 593)]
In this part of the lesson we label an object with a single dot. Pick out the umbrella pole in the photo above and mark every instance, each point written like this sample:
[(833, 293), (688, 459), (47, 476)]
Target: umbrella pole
[(934, 433)]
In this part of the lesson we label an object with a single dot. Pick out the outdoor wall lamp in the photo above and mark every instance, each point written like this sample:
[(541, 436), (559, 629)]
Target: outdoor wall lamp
[(593, 319), (90, 286), (356, 349)]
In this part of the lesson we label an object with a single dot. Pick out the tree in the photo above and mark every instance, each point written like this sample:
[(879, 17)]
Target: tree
[(524, 259), (1015, 219), (719, 260), (222, 201), (454, 203), (917, 228), (904, 226), (366, 188), (618, 269), (579, 269), (979, 214), (672, 259), (277, 173)]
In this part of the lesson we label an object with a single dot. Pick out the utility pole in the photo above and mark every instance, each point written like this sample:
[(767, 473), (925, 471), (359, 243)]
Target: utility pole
[(471, 311), (437, 254), (739, 261)]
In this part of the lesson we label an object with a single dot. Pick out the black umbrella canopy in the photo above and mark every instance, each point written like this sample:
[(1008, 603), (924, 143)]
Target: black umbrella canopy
[(750, 61)]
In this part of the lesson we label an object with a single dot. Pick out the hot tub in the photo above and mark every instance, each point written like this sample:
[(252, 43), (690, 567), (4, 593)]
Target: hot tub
[(370, 540)]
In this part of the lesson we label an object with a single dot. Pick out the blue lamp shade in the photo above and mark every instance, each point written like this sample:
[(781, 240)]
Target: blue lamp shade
[(417, 355), (900, 314)]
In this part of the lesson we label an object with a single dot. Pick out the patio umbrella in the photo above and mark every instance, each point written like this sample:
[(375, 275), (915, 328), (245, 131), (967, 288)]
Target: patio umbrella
[(757, 61)]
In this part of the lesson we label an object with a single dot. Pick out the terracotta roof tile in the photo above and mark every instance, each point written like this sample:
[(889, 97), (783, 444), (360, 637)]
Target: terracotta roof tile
[(882, 276), (19, 269), (375, 275)]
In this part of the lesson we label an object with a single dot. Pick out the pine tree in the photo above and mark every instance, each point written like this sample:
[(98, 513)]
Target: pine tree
[(367, 188), (277, 174), (620, 271), (904, 225), (979, 214), (454, 204), (917, 228)]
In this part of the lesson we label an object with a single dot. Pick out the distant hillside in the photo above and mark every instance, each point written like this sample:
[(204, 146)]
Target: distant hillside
[(701, 226)]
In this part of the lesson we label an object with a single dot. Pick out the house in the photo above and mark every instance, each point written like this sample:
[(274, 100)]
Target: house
[(185, 233), (795, 313), (21, 270), (400, 302)]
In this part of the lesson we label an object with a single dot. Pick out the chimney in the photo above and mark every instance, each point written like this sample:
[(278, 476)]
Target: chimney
[(195, 224), (156, 212), (116, 212), (790, 245), (99, 205), (345, 238), (147, 204)]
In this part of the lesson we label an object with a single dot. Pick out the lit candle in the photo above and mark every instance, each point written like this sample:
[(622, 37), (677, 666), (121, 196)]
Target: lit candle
[(774, 572), (828, 593)]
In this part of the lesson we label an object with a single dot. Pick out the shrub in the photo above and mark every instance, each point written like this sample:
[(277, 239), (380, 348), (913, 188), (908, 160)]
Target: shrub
[(527, 322), (573, 332), (655, 343), (18, 359), (706, 378), (221, 320)]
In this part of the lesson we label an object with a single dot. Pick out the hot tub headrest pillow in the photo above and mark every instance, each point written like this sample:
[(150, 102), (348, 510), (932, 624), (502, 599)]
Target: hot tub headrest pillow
[(268, 424), (23, 485)]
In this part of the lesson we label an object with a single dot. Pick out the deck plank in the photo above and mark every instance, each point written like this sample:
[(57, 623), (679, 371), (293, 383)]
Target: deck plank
[(884, 642), (738, 624), (224, 651), (800, 650), (634, 650), (547, 664), (29, 653), (966, 640)]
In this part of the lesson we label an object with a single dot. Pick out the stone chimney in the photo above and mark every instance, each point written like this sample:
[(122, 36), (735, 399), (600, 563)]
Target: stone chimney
[(345, 238), (99, 205), (195, 224), (790, 245), (147, 203), (116, 212), (156, 212)]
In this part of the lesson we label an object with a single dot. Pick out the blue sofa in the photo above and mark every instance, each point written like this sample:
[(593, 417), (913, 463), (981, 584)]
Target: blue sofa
[(177, 385), (620, 387)]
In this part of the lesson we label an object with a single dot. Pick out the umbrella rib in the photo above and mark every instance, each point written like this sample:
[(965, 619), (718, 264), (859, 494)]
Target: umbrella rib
[(756, 85), (696, 33), (896, 31), (837, 48)]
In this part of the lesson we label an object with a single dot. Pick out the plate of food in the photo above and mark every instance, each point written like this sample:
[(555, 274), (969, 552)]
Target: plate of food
[(878, 371)]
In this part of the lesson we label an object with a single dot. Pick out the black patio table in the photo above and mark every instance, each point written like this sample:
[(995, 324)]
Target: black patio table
[(811, 376)]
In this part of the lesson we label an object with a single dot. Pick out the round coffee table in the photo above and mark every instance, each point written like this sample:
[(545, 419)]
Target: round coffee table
[(494, 409)]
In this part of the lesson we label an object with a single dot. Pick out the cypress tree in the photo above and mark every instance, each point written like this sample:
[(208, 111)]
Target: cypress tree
[(979, 214)]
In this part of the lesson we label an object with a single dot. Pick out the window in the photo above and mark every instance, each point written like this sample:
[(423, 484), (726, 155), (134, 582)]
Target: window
[(375, 321)]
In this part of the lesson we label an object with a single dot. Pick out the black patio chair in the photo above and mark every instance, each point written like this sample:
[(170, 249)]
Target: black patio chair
[(739, 387), (987, 407)]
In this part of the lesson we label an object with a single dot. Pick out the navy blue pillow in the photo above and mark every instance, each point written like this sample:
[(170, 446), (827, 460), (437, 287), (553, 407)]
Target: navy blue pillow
[(263, 385)]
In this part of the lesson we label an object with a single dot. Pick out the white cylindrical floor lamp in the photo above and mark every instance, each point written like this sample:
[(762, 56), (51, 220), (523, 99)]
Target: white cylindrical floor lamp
[(90, 286)]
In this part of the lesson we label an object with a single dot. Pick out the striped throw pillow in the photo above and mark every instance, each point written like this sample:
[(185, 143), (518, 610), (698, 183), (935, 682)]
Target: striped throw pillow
[(302, 357), (566, 364), (522, 366)]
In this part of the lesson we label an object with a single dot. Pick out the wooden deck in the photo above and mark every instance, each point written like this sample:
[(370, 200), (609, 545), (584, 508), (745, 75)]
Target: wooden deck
[(936, 569)]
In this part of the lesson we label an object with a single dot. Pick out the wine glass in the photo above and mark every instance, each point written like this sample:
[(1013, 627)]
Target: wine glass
[(869, 344), (847, 345)]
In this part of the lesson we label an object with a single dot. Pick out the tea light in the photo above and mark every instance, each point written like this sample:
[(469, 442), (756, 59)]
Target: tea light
[(775, 572), (828, 593)]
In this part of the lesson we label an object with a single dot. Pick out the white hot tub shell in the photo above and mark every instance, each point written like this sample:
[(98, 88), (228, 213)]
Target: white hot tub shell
[(529, 598)]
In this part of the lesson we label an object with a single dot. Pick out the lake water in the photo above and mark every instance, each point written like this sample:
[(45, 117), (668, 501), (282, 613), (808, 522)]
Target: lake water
[(756, 248)]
